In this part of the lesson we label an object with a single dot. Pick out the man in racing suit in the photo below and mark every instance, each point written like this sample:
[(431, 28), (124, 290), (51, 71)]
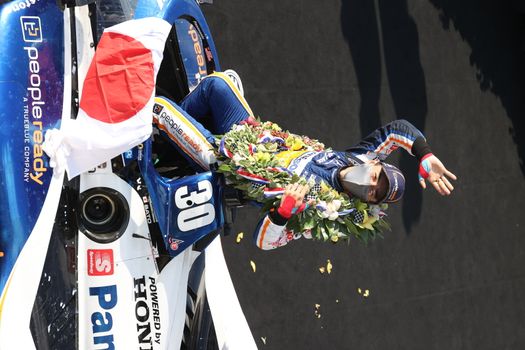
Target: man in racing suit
[(216, 105)]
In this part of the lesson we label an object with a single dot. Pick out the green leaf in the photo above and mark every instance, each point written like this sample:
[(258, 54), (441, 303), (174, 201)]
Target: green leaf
[(324, 234), (360, 205), (225, 167), (316, 232), (383, 225), (331, 227), (308, 222), (293, 224), (341, 228), (269, 204)]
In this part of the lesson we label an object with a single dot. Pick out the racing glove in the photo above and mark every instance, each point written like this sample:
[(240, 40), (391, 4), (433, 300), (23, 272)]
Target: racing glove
[(424, 167), (288, 208)]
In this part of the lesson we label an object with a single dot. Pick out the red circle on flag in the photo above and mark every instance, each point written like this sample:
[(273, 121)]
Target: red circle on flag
[(120, 79)]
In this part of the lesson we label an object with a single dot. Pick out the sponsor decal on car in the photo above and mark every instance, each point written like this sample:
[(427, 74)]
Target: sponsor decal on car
[(34, 103), (102, 321), (21, 5), (100, 262), (147, 312), (148, 210), (196, 210), (31, 29), (197, 47), (174, 243)]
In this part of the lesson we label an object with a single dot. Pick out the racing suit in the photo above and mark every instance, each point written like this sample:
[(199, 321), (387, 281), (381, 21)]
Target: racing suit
[(325, 166), (216, 105)]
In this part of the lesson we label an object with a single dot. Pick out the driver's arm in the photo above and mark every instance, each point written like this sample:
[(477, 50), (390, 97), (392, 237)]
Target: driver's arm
[(401, 133), (398, 133), (271, 231)]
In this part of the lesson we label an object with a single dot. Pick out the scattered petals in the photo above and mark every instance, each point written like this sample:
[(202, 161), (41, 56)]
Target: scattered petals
[(328, 266), (337, 301), (317, 311), (240, 236), (252, 263), (365, 293), (263, 340)]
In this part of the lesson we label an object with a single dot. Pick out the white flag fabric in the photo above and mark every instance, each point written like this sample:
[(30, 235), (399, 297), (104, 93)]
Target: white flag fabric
[(117, 98)]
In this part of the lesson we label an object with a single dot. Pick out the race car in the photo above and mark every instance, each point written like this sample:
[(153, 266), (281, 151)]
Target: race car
[(126, 255)]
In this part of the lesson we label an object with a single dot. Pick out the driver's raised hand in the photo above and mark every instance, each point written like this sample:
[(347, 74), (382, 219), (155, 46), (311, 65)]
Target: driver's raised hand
[(433, 170)]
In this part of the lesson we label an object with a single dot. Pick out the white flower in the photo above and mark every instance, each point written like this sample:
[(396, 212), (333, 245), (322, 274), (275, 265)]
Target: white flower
[(333, 216), (329, 210), (336, 204), (307, 234), (237, 158), (321, 206), (374, 210)]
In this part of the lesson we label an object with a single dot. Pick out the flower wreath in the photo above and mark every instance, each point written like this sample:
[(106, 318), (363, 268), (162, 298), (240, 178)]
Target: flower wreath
[(248, 156)]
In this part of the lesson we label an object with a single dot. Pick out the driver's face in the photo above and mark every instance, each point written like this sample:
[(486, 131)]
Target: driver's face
[(366, 181), (378, 184)]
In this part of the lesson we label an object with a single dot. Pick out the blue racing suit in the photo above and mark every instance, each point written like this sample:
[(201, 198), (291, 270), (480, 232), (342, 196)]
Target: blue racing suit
[(216, 105), (326, 165)]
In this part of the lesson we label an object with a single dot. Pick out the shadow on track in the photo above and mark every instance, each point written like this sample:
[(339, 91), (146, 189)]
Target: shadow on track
[(495, 32), (376, 29)]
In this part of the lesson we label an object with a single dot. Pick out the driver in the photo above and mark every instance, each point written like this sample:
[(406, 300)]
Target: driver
[(216, 104)]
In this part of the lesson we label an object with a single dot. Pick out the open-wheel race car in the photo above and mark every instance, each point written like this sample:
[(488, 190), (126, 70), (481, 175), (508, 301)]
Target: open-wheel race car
[(125, 255)]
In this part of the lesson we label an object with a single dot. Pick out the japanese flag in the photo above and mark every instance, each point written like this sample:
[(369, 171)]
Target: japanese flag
[(117, 98)]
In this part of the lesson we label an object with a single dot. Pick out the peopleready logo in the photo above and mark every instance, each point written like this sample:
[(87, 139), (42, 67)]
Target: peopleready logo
[(34, 111), (31, 29)]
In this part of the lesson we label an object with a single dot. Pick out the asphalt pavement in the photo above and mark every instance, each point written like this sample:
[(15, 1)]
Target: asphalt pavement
[(451, 273)]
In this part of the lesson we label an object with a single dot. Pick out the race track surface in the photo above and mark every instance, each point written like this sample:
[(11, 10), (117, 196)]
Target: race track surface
[(451, 274)]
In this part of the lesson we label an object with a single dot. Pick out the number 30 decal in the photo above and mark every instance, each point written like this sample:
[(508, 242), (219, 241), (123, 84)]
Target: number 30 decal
[(195, 210)]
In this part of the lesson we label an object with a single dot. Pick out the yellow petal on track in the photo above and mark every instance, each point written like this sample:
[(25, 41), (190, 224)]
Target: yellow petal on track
[(240, 236), (252, 263), (329, 266)]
